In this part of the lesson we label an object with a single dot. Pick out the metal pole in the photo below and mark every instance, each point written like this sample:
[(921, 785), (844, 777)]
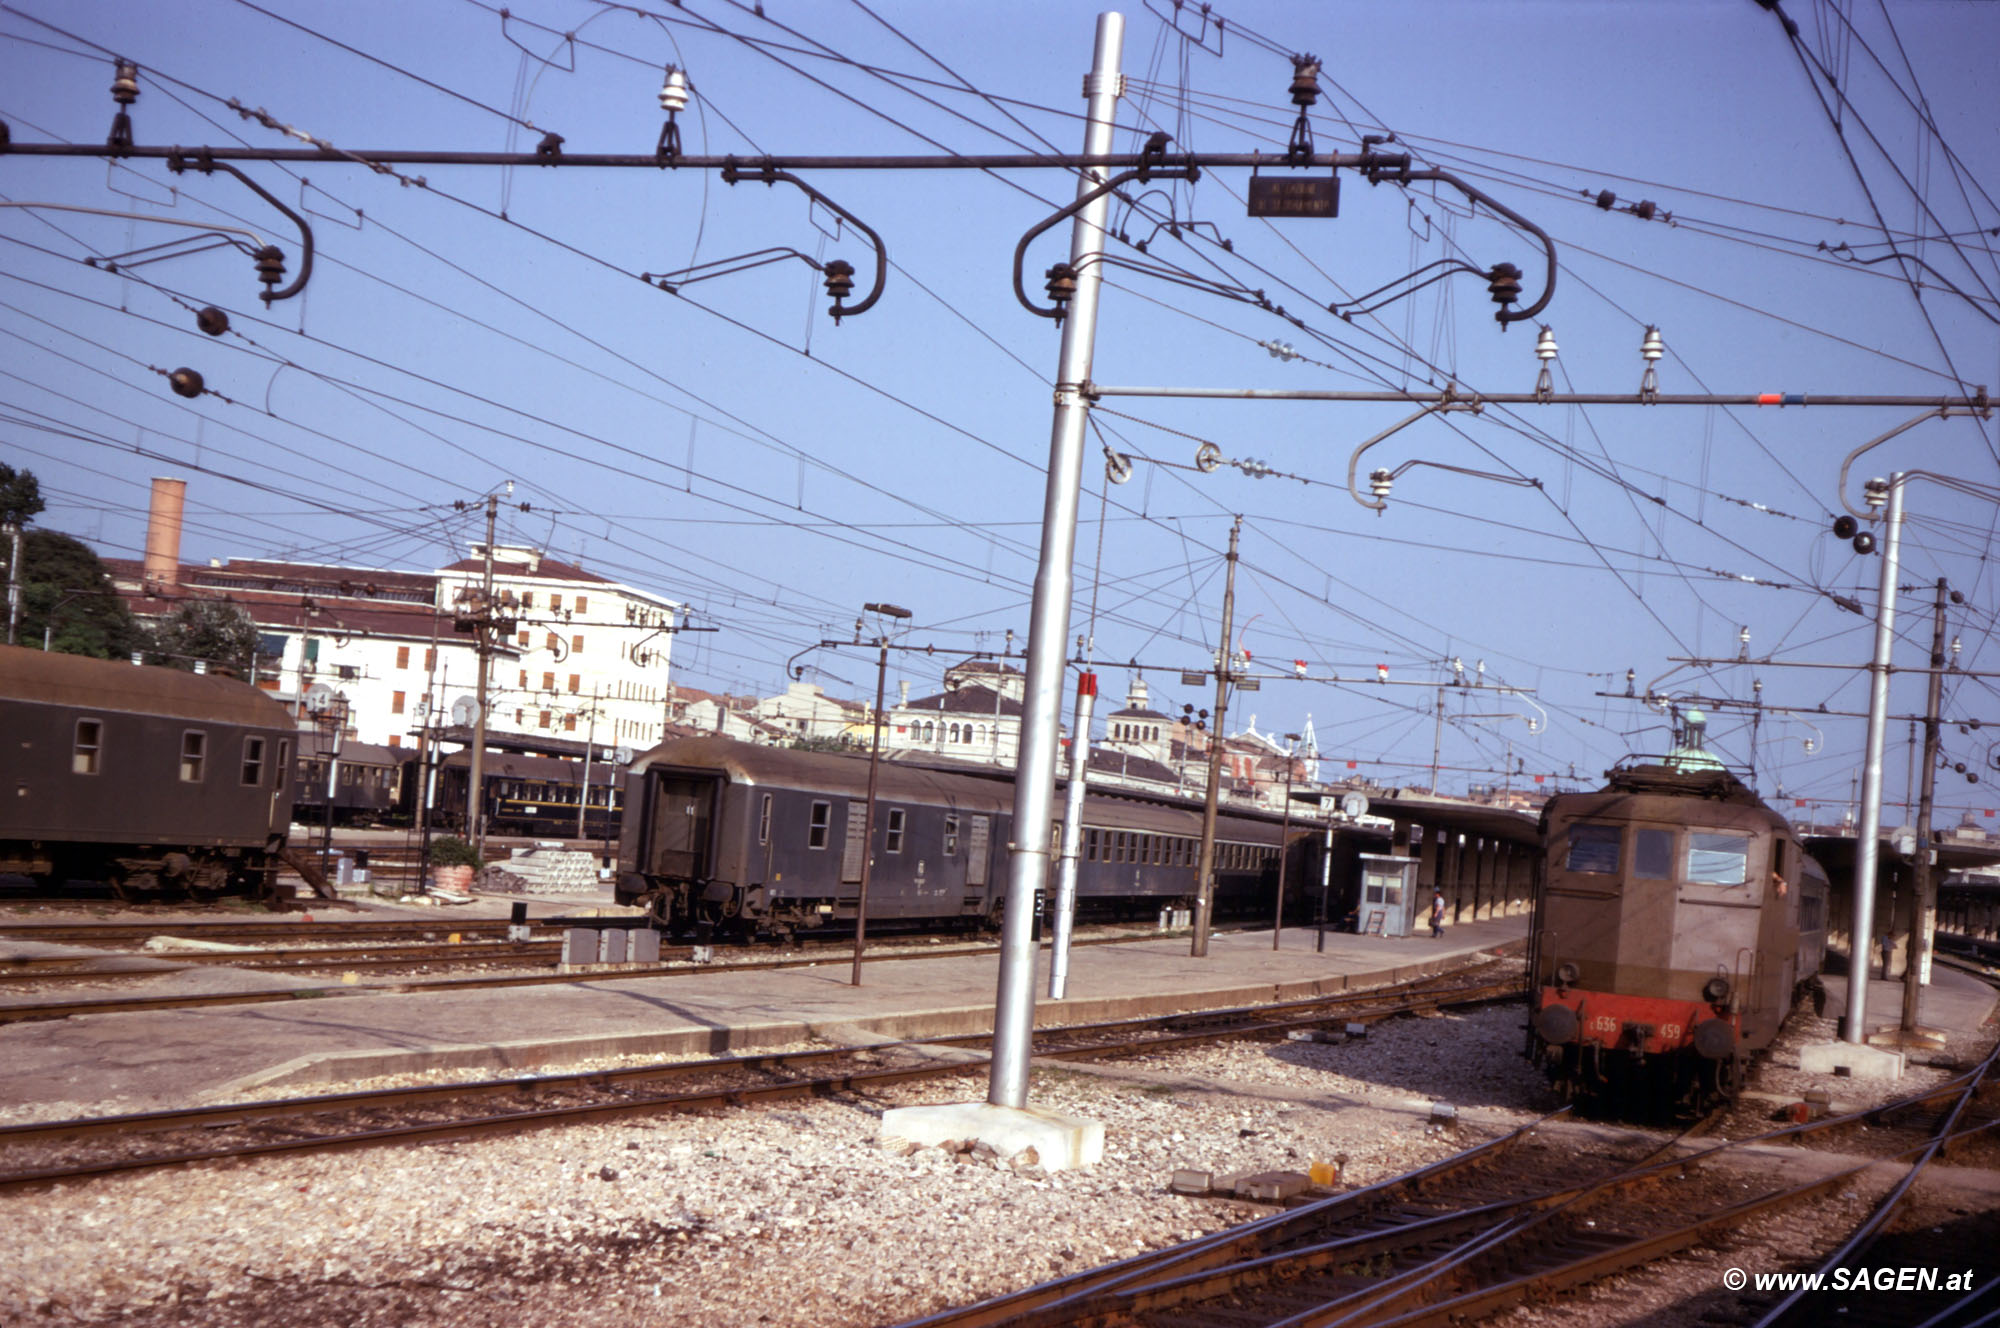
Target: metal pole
[(475, 823), (1325, 883), (589, 741), (1072, 833), (1437, 743), (1284, 845), (1870, 827), (868, 821), (1204, 882), (14, 586), (332, 783), (1048, 622), (1923, 892)]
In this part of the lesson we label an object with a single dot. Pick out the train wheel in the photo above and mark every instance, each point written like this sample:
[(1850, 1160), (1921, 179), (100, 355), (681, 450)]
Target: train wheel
[(131, 887)]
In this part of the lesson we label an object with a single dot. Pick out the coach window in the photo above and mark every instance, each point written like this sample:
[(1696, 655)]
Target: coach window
[(822, 817), (893, 833), (253, 761), (951, 836), (1653, 854), (89, 747), (764, 821), (1717, 857), (1593, 848), (194, 751)]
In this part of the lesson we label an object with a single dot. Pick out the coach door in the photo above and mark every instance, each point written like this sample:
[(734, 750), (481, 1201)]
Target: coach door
[(978, 849), (683, 810), (856, 844)]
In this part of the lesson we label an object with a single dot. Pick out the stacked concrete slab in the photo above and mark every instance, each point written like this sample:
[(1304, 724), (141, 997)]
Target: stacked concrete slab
[(552, 871)]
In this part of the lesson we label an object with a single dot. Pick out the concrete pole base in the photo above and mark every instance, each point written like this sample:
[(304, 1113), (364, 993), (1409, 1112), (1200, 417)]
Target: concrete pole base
[(1860, 1062), (1910, 1039), (1061, 1143)]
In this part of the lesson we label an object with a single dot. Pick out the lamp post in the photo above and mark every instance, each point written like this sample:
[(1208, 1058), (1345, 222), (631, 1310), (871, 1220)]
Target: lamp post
[(874, 766), (1284, 841)]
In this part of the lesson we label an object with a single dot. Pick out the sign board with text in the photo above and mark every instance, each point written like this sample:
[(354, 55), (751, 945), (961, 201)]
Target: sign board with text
[(1294, 196)]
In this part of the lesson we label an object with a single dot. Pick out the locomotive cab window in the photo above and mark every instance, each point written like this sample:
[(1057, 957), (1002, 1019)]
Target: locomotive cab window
[(1718, 858), (1593, 848), (822, 818), (85, 756), (1653, 854), (194, 754)]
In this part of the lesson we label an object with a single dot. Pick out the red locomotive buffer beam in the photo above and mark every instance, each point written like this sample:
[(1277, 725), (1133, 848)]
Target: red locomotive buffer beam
[(1643, 1025)]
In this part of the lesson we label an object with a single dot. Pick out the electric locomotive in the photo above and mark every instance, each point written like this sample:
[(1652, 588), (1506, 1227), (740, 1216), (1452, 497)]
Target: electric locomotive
[(1677, 920)]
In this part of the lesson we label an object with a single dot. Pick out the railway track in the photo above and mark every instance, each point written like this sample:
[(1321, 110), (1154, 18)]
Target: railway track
[(1457, 1241), (79, 1150)]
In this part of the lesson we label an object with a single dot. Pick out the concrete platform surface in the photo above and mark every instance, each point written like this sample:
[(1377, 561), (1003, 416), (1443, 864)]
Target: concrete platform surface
[(316, 1044)]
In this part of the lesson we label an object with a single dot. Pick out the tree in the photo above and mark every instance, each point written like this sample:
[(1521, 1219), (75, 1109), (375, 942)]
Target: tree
[(20, 497), (210, 630), (68, 602)]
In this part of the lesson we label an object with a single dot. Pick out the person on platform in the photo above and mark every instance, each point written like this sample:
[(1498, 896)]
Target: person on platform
[(1437, 914)]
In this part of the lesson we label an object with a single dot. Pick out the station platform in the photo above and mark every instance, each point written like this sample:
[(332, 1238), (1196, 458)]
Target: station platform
[(151, 1060)]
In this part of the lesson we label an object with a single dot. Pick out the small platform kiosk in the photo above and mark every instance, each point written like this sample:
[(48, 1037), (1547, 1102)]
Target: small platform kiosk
[(1389, 903)]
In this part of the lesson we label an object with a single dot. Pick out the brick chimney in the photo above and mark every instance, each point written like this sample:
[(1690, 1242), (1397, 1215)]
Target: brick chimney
[(163, 535)]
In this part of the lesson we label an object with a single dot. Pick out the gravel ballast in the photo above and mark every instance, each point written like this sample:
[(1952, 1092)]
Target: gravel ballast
[(799, 1214)]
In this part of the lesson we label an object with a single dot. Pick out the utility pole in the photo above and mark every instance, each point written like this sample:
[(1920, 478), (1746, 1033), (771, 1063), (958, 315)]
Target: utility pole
[(1204, 874), (1285, 837), (874, 768), (1868, 832), (1072, 835), (482, 639), (1048, 623), (1437, 741), (589, 742), (13, 532), (1923, 891)]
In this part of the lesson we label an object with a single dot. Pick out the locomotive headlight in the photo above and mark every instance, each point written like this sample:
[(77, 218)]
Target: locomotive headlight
[(1716, 990), (1566, 975)]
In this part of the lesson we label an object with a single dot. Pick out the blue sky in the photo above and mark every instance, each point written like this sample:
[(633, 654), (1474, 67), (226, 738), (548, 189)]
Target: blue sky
[(731, 447)]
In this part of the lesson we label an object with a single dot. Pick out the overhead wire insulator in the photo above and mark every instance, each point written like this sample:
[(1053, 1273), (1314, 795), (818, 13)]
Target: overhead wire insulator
[(270, 268), (124, 91), (185, 382), (1061, 287), (212, 321), (1651, 349), (839, 275), (1504, 282), (1545, 351), (1305, 92), (1380, 482), (673, 100)]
